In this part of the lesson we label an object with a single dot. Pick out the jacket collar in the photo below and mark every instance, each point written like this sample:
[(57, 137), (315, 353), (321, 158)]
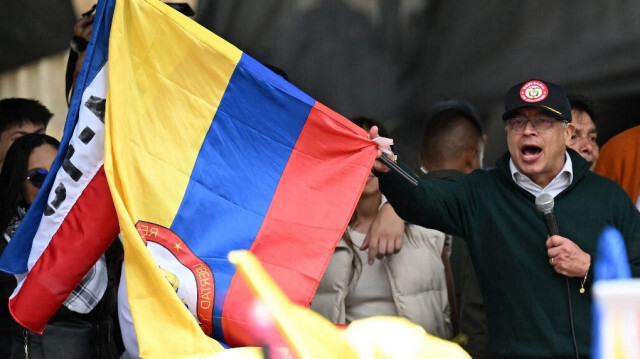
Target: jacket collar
[(580, 166)]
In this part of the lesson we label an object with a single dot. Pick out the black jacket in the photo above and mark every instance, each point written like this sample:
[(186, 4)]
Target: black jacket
[(68, 334)]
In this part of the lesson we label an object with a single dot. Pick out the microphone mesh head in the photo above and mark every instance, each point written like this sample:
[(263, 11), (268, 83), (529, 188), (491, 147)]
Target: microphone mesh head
[(544, 203)]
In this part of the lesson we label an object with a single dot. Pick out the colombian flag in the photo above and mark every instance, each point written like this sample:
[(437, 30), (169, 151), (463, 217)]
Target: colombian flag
[(207, 151)]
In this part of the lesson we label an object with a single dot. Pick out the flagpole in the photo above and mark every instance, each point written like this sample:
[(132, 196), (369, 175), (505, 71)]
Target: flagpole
[(394, 167)]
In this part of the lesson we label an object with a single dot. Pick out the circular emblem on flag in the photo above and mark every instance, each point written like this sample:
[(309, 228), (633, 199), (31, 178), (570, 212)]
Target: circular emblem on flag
[(534, 91), (189, 276)]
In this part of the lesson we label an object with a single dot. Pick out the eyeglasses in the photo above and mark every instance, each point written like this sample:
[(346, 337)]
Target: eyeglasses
[(540, 124), (36, 177)]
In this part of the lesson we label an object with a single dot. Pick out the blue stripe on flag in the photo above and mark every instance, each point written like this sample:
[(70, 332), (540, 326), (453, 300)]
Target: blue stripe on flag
[(238, 169)]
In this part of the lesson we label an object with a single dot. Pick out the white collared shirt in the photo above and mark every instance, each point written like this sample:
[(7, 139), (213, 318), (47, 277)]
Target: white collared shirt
[(557, 185)]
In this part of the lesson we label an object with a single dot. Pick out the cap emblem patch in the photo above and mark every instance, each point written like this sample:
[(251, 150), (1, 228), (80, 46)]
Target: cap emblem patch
[(534, 91)]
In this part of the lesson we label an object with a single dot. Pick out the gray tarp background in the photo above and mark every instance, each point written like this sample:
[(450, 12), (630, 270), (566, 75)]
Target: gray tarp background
[(391, 59), (32, 29)]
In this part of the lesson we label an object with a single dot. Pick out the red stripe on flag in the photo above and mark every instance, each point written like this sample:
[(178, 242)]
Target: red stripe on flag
[(311, 207), (87, 231)]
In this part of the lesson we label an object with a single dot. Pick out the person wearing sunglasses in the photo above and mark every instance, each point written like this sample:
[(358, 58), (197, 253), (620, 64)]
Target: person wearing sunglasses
[(27, 164), (68, 334)]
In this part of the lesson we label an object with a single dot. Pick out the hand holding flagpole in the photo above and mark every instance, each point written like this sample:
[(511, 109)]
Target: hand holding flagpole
[(386, 156)]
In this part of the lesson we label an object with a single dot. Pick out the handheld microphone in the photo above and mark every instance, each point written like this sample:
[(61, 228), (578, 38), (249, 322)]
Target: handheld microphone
[(544, 204)]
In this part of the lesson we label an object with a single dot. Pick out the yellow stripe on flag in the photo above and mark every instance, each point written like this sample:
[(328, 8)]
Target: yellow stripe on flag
[(167, 76), (157, 102)]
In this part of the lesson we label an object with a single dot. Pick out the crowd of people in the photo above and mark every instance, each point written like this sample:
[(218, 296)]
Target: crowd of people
[(465, 254), (515, 288), (86, 325)]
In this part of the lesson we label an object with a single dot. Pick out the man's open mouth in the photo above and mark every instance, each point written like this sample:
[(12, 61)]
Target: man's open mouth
[(530, 152)]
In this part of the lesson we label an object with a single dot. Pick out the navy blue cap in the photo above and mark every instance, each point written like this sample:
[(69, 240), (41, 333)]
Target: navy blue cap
[(538, 93)]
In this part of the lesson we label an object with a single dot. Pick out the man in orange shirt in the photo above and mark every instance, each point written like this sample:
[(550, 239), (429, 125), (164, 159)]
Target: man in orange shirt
[(620, 161)]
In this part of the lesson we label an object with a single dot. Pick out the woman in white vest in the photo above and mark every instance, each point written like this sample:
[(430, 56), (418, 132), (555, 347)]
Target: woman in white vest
[(410, 283)]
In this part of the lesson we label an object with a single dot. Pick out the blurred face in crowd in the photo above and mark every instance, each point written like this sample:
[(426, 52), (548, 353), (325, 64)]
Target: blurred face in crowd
[(12, 133), (536, 142), (39, 164), (371, 187), (583, 139)]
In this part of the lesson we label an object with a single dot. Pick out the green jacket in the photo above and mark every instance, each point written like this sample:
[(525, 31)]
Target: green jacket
[(526, 301), (468, 296)]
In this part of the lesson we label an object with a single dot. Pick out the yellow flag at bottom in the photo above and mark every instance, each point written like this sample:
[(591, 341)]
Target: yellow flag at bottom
[(310, 335)]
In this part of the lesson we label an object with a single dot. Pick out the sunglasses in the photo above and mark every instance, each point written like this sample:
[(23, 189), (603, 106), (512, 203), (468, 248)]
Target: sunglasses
[(36, 177)]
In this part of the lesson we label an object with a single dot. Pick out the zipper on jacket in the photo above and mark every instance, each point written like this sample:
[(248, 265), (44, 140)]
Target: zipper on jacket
[(26, 343)]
